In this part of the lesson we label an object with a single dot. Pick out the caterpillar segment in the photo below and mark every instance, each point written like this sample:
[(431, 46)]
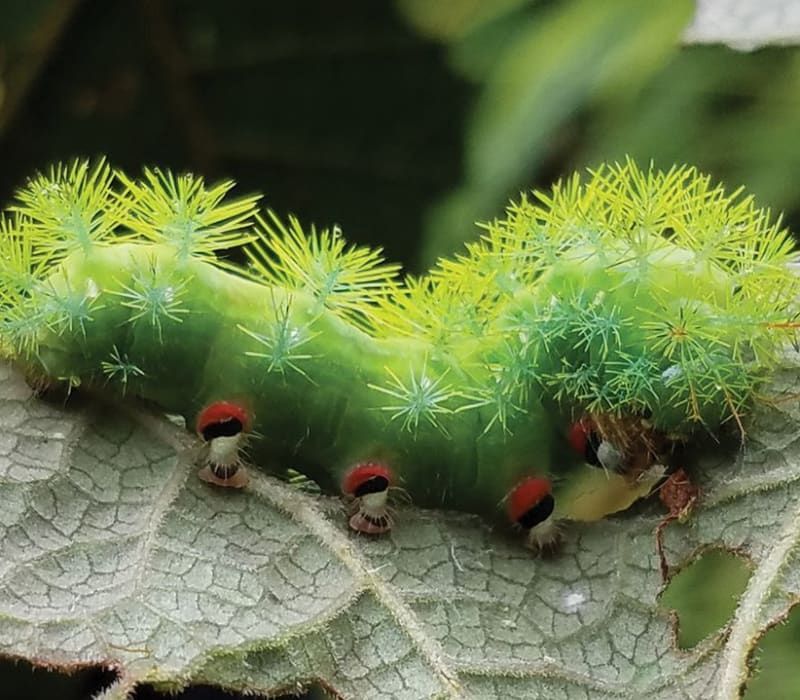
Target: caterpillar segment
[(542, 376)]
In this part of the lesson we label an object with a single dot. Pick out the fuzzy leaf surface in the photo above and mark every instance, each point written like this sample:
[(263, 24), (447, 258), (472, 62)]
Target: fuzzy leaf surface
[(113, 552)]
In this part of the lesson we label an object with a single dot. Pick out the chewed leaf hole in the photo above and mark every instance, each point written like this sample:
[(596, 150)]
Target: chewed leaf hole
[(704, 594), (776, 673), (21, 680)]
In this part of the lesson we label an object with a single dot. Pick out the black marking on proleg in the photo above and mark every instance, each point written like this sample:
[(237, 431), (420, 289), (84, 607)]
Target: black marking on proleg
[(224, 471), (374, 484), (223, 428), (377, 520), (593, 441), (538, 513)]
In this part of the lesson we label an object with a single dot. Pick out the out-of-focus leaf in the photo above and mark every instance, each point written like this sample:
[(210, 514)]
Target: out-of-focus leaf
[(775, 662), (29, 32), (476, 53), (704, 594), (582, 47), (578, 51), (452, 19), (20, 21)]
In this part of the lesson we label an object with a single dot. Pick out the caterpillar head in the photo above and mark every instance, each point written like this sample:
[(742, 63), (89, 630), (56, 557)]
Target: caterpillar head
[(596, 451), (368, 485), (223, 425), (530, 506)]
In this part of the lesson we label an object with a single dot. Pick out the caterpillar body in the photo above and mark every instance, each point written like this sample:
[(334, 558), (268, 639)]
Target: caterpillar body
[(591, 327)]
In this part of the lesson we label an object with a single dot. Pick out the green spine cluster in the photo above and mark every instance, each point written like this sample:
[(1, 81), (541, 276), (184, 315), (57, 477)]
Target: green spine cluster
[(627, 294)]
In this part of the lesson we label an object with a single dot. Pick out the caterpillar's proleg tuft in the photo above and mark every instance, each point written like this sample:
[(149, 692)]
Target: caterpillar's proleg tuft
[(223, 425), (368, 485)]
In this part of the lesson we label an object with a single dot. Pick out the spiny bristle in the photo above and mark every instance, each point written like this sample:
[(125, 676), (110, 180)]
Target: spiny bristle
[(498, 400), (155, 295), (20, 328), (281, 339), (419, 399), (69, 306), (502, 384), (631, 380), (119, 368), (181, 211), (347, 280), (19, 266), (409, 310), (645, 209), (70, 208), (441, 314)]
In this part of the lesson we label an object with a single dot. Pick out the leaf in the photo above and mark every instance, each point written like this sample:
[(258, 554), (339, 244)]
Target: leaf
[(553, 64), (114, 553), (454, 19), (581, 49)]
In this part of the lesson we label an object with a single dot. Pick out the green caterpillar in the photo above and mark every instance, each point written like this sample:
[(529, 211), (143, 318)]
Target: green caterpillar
[(592, 327)]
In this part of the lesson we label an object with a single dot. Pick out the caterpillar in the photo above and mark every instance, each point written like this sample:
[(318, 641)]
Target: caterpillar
[(541, 376)]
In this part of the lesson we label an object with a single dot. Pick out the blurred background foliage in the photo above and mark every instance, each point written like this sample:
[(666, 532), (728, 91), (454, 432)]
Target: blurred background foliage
[(404, 122), (565, 85)]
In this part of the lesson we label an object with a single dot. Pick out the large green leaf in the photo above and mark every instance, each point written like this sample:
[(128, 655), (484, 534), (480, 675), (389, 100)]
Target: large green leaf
[(114, 553)]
